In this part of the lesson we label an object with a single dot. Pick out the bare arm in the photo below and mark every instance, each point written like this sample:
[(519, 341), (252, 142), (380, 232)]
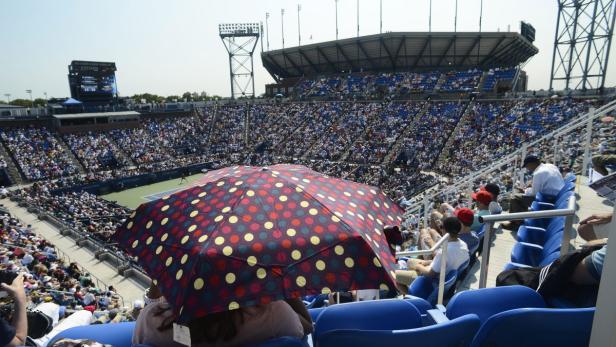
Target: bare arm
[(20, 322)]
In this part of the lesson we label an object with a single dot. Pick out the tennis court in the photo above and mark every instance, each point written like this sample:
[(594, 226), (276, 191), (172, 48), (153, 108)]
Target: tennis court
[(134, 197)]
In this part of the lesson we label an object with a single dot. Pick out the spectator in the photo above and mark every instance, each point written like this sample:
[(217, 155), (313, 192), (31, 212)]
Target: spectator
[(14, 334), (483, 199), (595, 227), (547, 180), (494, 207), (467, 234)]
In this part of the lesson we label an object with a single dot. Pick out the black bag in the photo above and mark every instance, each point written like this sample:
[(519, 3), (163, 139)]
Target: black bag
[(39, 324), (553, 280)]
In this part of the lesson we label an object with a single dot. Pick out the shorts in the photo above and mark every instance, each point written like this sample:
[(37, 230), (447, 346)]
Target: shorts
[(406, 277)]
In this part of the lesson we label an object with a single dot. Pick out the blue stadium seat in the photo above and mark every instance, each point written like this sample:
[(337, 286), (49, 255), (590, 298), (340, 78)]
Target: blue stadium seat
[(457, 332), (427, 288), (421, 304), (532, 254), (390, 314), (117, 334), (547, 260), (487, 302), (284, 341), (537, 327), (539, 236), (315, 312)]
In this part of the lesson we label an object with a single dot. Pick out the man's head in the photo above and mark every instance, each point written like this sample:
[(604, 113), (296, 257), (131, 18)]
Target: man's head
[(493, 188), (452, 226), (483, 198), (530, 163), (466, 216)]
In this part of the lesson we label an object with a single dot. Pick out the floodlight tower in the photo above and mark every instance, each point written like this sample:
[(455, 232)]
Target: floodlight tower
[(240, 40), (582, 44)]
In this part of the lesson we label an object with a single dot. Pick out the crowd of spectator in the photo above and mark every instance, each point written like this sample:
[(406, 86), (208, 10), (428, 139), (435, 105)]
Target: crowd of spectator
[(38, 153), (96, 151)]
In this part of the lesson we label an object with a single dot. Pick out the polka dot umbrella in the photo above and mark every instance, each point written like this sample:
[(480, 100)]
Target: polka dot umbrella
[(247, 235)]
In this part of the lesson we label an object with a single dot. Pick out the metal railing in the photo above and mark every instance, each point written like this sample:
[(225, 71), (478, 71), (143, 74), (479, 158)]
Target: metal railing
[(489, 221), (442, 243)]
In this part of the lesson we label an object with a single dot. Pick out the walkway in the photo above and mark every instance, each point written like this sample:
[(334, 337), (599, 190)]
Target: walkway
[(128, 288)]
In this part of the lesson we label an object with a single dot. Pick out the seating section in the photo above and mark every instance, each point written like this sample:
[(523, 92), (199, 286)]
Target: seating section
[(95, 151), (496, 75)]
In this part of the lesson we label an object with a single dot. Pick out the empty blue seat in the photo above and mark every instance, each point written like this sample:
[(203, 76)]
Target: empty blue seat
[(538, 236), (457, 332), (421, 304), (390, 314), (284, 341), (487, 302), (532, 254), (546, 261), (427, 288), (540, 327)]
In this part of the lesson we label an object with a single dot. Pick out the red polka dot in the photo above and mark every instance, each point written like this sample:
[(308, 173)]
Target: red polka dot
[(247, 218), (287, 214), (254, 226), (234, 239), (278, 206), (296, 222), (285, 243), (318, 229), (257, 247), (281, 257), (252, 209), (240, 291), (277, 234)]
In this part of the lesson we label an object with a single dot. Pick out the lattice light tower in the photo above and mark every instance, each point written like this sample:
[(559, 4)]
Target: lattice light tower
[(582, 44), (240, 41)]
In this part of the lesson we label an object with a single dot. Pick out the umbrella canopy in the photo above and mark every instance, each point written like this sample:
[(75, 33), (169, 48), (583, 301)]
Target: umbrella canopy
[(246, 236)]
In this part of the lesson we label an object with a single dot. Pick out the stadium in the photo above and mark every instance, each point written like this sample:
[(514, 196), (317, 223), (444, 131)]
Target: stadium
[(385, 189)]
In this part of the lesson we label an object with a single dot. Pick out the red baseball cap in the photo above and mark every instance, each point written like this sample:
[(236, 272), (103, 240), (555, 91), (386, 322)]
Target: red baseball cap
[(483, 196), (465, 215)]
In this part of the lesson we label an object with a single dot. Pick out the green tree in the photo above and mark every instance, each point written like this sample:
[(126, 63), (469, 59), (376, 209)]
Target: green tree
[(187, 96), (21, 102)]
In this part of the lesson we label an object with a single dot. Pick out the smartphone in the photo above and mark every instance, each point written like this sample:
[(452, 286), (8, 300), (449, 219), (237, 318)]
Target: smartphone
[(7, 276)]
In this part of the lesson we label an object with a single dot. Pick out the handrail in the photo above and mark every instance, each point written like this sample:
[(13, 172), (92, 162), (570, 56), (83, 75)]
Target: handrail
[(441, 243), (568, 212)]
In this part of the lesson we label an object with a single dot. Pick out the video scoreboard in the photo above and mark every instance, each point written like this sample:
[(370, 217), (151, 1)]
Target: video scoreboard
[(92, 81)]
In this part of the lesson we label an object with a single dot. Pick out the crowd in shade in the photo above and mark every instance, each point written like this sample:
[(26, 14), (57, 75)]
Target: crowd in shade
[(38, 153), (399, 85), (60, 289), (95, 151)]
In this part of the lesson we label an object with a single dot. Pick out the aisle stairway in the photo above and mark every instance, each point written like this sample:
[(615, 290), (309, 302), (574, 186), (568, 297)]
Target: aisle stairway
[(11, 166), (69, 154), (395, 149), (466, 117)]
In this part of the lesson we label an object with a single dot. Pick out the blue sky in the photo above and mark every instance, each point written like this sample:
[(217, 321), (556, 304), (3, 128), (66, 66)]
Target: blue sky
[(169, 47)]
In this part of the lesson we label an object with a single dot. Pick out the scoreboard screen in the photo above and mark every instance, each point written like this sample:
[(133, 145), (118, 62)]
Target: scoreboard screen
[(92, 81)]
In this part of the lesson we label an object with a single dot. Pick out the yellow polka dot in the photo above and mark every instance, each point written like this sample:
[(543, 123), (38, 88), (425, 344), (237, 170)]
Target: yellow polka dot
[(164, 221), (169, 261), (164, 237), (296, 254), (148, 225), (218, 218), (250, 193), (239, 183), (230, 278), (339, 250), (233, 219), (353, 204), (291, 232), (165, 197), (233, 306), (226, 209), (377, 204), (321, 196), (248, 237), (304, 204), (252, 260), (325, 290), (320, 264), (184, 259), (135, 243), (196, 201), (159, 249), (376, 262), (232, 190), (192, 228), (184, 239), (279, 185), (261, 273), (390, 218), (372, 191), (276, 172), (315, 240), (155, 282), (360, 216), (379, 221), (350, 213), (371, 217), (227, 250), (202, 194), (194, 213), (360, 192), (179, 274), (338, 214), (349, 262), (219, 240), (132, 215), (298, 189), (386, 205), (282, 198), (383, 286), (347, 193), (335, 219), (129, 225), (295, 178), (313, 211), (220, 184), (268, 225), (198, 284), (305, 180), (203, 238), (300, 281), (165, 208), (331, 198), (149, 240)]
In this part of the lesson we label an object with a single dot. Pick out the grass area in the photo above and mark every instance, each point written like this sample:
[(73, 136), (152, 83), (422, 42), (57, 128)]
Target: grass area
[(134, 197)]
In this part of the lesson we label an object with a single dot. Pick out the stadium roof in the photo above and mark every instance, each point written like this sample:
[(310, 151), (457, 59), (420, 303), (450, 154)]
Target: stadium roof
[(96, 115), (401, 51)]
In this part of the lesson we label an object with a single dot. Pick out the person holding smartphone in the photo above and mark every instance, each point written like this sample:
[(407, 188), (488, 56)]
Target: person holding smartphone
[(14, 333)]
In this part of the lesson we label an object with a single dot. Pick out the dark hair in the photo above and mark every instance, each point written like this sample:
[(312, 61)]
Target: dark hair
[(452, 225), (493, 188)]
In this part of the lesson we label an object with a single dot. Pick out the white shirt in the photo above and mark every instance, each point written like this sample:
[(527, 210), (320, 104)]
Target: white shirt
[(547, 180), (457, 254)]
